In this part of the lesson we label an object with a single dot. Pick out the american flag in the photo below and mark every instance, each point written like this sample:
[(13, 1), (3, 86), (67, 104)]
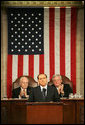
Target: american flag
[(41, 40)]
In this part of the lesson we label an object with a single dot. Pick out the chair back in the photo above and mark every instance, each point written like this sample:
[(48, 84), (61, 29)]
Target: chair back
[(32, 82)]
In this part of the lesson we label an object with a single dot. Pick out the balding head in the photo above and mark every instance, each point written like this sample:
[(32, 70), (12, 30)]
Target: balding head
[(24, 82)]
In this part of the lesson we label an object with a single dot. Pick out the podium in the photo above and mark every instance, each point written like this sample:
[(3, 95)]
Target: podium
[(37, 113)]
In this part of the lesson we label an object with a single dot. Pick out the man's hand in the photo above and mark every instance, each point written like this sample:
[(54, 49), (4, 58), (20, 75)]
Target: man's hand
[(60, 89), (22, 93), (25, 94)]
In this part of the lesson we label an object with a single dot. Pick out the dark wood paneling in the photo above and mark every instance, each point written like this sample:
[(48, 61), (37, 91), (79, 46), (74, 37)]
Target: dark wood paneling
[(45, 114), (80, 112), (69, 111), (5, 112), (18, 115)]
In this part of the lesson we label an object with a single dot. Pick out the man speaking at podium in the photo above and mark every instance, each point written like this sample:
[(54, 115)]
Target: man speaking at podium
[(43, 92)]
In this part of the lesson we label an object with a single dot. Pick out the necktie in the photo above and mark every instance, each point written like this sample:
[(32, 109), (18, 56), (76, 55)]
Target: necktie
[(44, 92)]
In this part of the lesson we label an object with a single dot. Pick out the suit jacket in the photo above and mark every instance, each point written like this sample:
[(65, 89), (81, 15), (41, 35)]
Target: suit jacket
[(16, 92), (37, 96), (67, 90)]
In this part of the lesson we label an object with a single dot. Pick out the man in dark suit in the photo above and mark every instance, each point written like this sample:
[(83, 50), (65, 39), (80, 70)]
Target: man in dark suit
[(22, 91), (63, 89), (43, 92)]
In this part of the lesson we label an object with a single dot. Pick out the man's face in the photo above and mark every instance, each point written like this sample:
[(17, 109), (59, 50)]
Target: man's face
[(24, 82), (42, 80), (57, 81)]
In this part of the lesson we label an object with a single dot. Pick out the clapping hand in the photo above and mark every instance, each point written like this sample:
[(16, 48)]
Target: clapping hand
[(60, 89), (23, 93)]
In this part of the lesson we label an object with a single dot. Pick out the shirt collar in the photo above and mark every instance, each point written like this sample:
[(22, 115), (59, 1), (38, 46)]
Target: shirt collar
[(43, 87), (57, 88)]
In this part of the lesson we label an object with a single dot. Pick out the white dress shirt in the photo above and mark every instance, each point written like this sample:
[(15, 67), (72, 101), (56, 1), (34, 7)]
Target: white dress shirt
[(45, 87)]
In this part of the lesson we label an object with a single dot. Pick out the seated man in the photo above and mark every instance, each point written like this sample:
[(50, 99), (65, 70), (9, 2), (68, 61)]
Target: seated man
[(22, 91), (63, 89), (43, 92)]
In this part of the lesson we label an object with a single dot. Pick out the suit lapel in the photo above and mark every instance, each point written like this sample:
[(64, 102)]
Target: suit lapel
[(39, 91), (19, 89), (48, 91), (28, 90)]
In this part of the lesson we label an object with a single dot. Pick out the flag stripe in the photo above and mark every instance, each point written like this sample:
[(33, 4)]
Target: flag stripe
[(36, 66), (28, 64), (51, 41), (14, 67), (57, 40), (41, 64), (68, 43), (46, 44), (9, 76), (25, 64), (73, 47), (62, 41), (20, 65), (31, 65)]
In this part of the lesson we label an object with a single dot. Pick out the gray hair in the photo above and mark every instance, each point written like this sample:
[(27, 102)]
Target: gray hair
[(57, 76), (23, 77)]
